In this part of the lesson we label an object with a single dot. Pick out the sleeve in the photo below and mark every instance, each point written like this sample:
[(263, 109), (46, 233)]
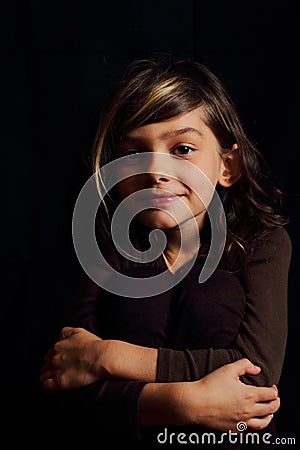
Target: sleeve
[(109, 404), (263, 332)]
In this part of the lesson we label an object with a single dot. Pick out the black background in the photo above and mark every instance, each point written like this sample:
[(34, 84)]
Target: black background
[(58, 61)]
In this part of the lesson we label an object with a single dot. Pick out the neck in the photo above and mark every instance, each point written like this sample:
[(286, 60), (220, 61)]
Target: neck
[(183, 243)]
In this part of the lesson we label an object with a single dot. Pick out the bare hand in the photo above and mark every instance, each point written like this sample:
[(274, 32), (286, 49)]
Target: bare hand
[(229, 401), (73, 361)]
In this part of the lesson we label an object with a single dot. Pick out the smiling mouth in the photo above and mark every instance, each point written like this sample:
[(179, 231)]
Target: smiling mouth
[(156, 199), (161, 201)]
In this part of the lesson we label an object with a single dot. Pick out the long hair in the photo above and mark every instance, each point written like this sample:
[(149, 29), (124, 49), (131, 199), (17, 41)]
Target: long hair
[(154, 90)]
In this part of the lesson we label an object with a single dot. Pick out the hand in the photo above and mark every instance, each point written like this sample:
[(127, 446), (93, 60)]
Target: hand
[(74, 361), (228, 401)]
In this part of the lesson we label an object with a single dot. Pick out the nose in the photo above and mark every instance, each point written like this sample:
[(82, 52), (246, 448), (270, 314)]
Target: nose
[(158, 170), (157, 178)]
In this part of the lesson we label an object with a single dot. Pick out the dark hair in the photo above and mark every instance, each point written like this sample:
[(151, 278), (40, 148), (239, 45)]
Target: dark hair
[(157, 89)]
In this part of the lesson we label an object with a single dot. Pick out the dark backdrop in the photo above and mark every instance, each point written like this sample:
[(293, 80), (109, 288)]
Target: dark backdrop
[(58, 61)]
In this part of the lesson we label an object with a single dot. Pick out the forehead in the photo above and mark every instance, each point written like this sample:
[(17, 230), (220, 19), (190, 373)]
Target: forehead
[(190, 123)]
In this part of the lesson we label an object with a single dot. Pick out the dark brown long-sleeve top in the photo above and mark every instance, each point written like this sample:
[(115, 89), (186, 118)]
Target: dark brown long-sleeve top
[(196, 328), (262, 333)]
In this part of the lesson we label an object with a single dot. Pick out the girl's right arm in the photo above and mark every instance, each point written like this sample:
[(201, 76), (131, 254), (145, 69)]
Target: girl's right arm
[(218, 401)]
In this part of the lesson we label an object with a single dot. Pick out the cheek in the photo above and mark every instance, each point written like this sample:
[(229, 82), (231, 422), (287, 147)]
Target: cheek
[(211, 167), (202, 187)]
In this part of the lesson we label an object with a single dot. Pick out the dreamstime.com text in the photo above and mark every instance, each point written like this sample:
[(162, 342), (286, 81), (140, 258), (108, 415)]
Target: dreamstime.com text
[(232, 437)]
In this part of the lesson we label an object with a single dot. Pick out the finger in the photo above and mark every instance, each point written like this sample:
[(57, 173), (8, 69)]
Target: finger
[(264, 394), (275, 388), (259, 423), (66, 332), (265, 409), (46, 367), (50, 385), (53, 362), (243, 366), (48, 374)]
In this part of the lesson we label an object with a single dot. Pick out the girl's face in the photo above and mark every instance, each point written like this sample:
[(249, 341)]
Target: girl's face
[(170, 182)]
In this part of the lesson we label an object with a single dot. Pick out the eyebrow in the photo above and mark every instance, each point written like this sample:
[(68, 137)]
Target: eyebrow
[(166, 135), (171, 134)]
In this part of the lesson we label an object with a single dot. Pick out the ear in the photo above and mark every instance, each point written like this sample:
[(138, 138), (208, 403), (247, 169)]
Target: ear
[(230, 167)]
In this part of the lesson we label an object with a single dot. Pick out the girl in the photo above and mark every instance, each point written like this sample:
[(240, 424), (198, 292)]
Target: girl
[(173, 358)]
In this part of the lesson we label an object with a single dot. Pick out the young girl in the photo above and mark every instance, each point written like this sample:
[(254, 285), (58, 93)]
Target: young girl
[(146, 366)]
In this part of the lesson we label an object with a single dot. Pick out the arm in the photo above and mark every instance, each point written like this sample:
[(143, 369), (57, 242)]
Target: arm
[(105, 404), (262, 336), (80, 357), (217, 401), (110, 400), (263, 332)]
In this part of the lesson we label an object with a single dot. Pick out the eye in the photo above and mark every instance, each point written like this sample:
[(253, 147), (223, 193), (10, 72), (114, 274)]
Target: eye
[(132, 155), (182, 150)]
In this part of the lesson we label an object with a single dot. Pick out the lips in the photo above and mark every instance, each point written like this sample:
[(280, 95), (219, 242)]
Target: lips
[(159, 197)]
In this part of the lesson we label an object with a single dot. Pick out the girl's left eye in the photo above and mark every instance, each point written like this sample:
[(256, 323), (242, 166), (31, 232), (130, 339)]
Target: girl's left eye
[(182, 150)]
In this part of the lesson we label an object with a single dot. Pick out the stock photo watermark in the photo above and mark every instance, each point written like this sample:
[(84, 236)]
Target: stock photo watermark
[(89, 199), (240, 436)]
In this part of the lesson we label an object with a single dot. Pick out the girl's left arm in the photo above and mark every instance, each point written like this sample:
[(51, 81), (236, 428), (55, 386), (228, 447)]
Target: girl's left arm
[(262, 336)]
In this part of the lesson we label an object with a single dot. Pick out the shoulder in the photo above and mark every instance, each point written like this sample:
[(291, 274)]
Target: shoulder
[(270, 259), (274, 239), (273, 245)]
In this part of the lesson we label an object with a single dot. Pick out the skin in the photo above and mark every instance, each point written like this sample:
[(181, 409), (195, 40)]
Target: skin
[(220, 399), (188, 138)]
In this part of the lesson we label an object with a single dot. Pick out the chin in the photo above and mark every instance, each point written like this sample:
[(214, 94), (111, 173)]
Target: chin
[(157, 219)]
